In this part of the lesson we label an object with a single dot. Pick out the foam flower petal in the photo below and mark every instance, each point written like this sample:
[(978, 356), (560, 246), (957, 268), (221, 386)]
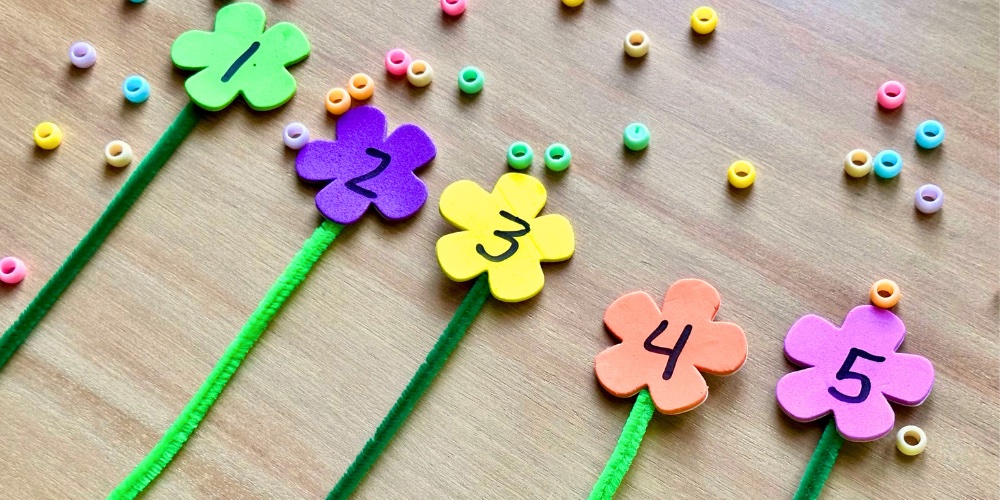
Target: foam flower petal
[(873, 328), (362, 127), (619, 382), (401, 194), (553, 236), (242, 18), (186, 54), (286, 43), (866, 421), (456, 252), (720, 349), (518, 278), (203, 88), (341, 205), (807, 340), (685, 390), (468, 206), (410, 146), (910, 379), (523, 193), (692, 297), (791, 389), (276, 90), (632, 317)]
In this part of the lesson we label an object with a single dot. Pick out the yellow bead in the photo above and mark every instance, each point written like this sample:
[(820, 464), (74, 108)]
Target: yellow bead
[(741, 174), (48, 135), (572, 3), (637, 43), (704, 20), (858, 163)]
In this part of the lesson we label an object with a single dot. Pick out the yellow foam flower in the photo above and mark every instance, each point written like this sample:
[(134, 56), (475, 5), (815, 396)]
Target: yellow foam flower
[(502, 235)]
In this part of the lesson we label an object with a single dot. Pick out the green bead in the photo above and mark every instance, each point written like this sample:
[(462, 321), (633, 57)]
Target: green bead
[(519, 155), (471, 80), (557, 157), (636, 136)]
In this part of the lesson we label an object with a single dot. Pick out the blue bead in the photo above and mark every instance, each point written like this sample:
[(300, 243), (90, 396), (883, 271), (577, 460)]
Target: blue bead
[(136, 89), (137, 1), (888, 163), (930, 134)]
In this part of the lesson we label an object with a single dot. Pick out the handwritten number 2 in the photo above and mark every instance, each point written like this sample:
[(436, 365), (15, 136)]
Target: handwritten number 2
[(845, 373), (384, 160), (508, 236), (672, 352)]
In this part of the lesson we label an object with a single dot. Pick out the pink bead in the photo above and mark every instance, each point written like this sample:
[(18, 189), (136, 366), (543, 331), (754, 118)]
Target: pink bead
[(453, 7), (397, 60), (12, 270), (891, 94)]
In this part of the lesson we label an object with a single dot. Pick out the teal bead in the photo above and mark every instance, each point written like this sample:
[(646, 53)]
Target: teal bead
[(471, 80), (520, 156), (557, 157), (930, 134), (888, 164), (636, 136)]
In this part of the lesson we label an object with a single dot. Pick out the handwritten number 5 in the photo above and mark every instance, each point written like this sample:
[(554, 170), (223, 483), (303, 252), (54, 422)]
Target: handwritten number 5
[(845, 373), (384, 160), (672, 352), (508, 236)]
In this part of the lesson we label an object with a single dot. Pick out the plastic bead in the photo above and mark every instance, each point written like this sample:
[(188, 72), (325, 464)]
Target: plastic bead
[(361, 87), (885, 293), (12, 270), (557, 157), (419, 73), (48, 135), (858, 163), (137, 1), (704, 20), (471, 80), (637, 43), (572, 3), (82, 55), (930, 134), (296, 135), (888, 164), (118, 154), (636, 136), (520, 155), (741, 174), (453, 7), (913, 432), (891, 94), (338, 101), (928, 198), (396, 62), (136, 89)]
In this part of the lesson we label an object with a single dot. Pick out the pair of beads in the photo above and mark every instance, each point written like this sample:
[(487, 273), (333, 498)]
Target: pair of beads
[(557, 156), (360, 87), (891, 94), (118, 154), (704, 20), (471, 80), (741, 174), (47, 135), (12, 270), (136, 89), (887, 164), (296, 135), (82, 55), (418, 72), (636, 136), (637, 43), (453, 7)]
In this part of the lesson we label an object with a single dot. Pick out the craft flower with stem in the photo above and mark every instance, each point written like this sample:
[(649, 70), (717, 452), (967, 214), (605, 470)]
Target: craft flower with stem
[(363, 167), (502, 246), (662, 353), (853, 372), (503, 235), (240, 57)]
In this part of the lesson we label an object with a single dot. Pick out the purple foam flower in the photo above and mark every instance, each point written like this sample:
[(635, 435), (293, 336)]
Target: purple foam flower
[(364, 167), (854, 372)]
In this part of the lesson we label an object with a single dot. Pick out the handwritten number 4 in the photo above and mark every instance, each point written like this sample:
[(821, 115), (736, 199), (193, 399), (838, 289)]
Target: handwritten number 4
[(845, 373), (671, 352)]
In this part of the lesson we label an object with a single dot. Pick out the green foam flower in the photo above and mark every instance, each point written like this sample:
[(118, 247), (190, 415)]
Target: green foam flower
[(240, 57)]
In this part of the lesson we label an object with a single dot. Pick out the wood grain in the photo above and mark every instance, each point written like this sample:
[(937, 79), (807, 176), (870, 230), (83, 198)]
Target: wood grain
[(516, 413)]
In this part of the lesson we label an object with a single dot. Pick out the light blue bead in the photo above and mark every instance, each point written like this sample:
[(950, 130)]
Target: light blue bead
[(930, 134), (136, 89), (888, 163), (137, 1)]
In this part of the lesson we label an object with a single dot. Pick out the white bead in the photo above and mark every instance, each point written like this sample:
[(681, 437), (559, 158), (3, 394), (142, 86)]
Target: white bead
[(637, 43), (118, 154), (913, 432), (419, 73)]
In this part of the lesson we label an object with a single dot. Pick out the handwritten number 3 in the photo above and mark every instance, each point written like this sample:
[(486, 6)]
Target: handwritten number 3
[(508, 236), (845, 373), (672, 352), (384, 160)]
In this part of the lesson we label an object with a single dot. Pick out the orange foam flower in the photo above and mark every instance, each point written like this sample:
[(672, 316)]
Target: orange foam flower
[(667, 349)]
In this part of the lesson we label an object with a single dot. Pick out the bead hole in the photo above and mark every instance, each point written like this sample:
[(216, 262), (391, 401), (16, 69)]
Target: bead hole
[(419, 68), (45, 131), (741, 173), (452, 2), (931, 130), (557, 154), (704, 15), (520, 151), (360, 82), (295, 134), (470, 76), (115, 149), (7, 267), (884, 291), (80, 51), (133, 86), (889, 162), (396, 58), (635, 39), (859, 159), (892, 90), (911, 438)]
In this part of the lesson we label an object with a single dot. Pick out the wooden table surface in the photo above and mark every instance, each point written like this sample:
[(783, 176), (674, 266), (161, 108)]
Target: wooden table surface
[(516, 412)]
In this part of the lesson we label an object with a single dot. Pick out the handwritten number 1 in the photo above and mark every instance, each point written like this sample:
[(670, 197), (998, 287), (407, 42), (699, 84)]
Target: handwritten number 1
[(384, 160), (672, 352), (508, 236), (240, 61), (845, 373)]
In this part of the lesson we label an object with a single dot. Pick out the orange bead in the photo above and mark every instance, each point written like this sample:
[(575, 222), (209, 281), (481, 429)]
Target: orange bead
[(885, 293), (361, 87), (338, 101)]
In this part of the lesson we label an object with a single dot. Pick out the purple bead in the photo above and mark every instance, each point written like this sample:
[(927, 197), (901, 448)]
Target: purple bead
[(929, 198), (296, 135), (82, 55)]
